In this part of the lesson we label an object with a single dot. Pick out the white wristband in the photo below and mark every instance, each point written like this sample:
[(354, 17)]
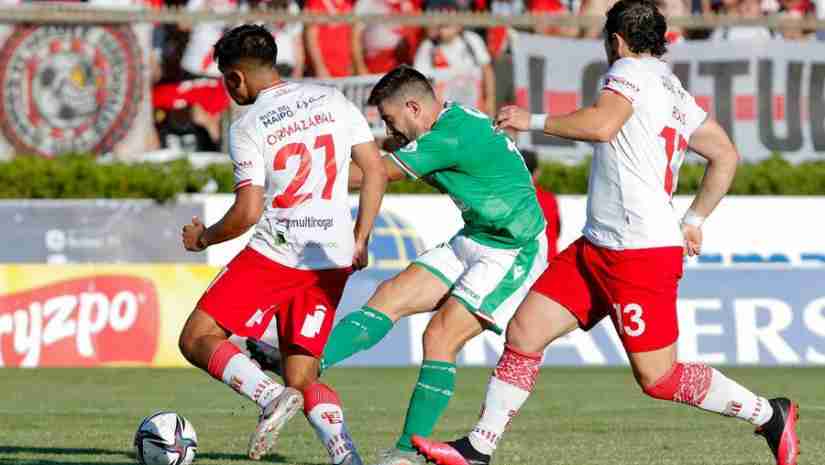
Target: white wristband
[(693, 219), (537, 121)]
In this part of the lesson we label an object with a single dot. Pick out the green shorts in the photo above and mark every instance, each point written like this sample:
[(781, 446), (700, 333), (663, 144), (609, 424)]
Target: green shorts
[(487, 279)]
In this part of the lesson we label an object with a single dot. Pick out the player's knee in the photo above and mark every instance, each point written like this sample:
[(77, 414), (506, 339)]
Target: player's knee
[(438, 341), (432, 336), (186, 342), (197, 326), (301, 380), (389, 299), (301, 383), (517, 331), (524, 336)]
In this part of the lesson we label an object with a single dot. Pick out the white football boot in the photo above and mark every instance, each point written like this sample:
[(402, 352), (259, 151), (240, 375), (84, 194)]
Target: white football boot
[(273, 418)]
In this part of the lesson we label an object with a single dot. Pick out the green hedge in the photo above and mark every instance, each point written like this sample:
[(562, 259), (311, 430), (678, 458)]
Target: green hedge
[(78, 176)]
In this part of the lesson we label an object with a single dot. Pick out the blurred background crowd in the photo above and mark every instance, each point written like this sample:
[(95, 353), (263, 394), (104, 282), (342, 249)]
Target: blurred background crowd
[(189, 110), (341, 50)]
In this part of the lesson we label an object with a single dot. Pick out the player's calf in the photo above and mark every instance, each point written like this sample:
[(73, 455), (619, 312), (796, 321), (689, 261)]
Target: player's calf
[(702, 386), (510, 386), (449, 330), (300, 371), (199, 338)]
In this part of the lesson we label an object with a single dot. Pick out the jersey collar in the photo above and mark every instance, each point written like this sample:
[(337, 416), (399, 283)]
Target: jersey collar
[(447, 105), (273, 87)]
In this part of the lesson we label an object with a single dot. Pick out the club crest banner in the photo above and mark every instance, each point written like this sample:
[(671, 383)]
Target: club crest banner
[(74, 89)]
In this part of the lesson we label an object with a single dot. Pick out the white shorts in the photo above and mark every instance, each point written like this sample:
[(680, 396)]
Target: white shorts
[(485, 279)]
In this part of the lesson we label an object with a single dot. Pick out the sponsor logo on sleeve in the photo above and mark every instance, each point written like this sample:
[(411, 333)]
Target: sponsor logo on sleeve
[(621, 82)]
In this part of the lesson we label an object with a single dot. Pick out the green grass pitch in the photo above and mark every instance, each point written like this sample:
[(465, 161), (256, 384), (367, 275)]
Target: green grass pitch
[(577, 416)]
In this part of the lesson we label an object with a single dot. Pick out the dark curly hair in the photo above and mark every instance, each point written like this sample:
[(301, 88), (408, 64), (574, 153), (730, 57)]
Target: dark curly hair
[(403, 79), (641, 25), (248, 41)]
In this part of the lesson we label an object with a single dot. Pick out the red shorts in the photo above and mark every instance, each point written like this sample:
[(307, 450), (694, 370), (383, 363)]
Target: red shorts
[(252, 289), (637, 288)]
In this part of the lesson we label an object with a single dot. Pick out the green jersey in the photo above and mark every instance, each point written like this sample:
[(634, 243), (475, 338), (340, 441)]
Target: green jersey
[(481, 169)]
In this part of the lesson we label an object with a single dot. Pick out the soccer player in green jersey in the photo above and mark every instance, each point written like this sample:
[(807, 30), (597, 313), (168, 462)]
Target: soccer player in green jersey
[(482, 274), (487, 268)]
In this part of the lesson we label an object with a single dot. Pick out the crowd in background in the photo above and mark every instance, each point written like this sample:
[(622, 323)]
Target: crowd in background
[(188, 110)]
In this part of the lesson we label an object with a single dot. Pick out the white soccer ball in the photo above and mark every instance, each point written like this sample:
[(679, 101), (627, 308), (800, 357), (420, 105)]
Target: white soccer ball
[(165, 438)]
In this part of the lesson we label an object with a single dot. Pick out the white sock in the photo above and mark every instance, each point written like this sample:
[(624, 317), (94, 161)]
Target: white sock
[(511, 384), (729, 398), (502, 403), (323, 411), (235, 369)]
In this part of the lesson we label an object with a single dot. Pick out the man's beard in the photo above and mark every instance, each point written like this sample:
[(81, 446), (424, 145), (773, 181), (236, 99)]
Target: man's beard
[(402, 140), (395, 142)]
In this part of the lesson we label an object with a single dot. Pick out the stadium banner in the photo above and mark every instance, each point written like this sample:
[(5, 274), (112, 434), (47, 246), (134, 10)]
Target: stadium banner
[(96, 315), (769, 95), (757, 284), (743, 231), (96, 231), (758, 299), (74, 88)]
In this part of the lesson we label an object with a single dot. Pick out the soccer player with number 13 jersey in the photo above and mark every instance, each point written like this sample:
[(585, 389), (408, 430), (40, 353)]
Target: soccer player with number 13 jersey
[(628, 264)]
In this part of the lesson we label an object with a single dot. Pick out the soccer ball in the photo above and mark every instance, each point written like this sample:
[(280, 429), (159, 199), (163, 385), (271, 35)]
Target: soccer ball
[(165, 438)]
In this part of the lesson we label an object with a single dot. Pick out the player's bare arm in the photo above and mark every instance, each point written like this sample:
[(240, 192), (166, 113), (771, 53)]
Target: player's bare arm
[(712, 143), (598, 123), (393, 173), (242, 215), (373, 184)]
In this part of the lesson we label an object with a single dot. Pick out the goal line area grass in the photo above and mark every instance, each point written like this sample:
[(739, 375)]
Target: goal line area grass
[(576, 416)]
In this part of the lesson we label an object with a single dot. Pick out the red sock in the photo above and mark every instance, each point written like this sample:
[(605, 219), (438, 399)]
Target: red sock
[(322, 408), (230, 365), (702, 386)]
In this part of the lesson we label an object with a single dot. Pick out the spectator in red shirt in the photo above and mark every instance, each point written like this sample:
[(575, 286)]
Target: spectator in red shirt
[(553, 8), (329, 47), (378, 48), (547, 201)]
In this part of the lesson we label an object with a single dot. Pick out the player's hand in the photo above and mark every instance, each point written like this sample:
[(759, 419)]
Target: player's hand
[(693, 239), (191, 235), (513, 117), (361, 257)]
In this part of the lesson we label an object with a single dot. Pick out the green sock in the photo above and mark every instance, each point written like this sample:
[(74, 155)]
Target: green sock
[(432, 393), (358, 331)]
